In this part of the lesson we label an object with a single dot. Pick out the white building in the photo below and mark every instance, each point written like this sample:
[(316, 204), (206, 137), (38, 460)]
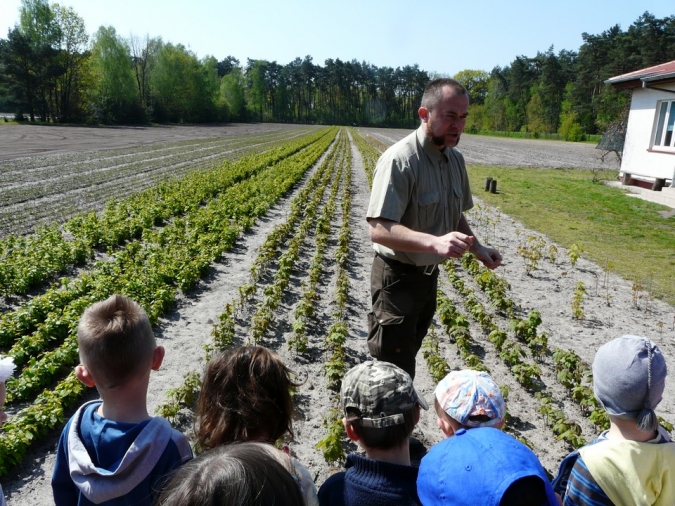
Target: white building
[(648, 158)]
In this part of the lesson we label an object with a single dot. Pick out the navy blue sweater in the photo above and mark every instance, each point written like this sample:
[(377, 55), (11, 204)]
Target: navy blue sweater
[(372, 483)]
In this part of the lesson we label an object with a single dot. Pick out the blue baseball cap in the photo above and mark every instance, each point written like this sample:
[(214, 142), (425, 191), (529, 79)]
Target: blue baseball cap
[(477, 466)]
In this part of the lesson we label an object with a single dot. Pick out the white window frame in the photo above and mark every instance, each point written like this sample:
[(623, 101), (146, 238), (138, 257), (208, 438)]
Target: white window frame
[(664, 126)]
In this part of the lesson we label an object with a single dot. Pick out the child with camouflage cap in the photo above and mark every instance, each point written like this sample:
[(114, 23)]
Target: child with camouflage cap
[(632, 462), (467, 399), (381, 409)]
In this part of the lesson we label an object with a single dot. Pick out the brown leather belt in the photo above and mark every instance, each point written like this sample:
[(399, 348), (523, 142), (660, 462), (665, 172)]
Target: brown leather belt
[(427, 270)]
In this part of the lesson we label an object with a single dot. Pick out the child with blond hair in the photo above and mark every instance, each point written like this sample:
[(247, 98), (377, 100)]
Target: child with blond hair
[(112, 451)]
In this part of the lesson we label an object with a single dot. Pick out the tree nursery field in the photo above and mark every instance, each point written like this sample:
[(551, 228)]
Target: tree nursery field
[(260, 237)]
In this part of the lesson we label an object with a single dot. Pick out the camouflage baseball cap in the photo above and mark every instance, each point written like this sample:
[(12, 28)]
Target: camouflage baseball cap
[(381, 391)]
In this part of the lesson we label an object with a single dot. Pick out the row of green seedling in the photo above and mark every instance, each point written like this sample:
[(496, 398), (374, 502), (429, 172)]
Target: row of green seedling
[(240, 205), (265, 313), (223, 332), (528, 375), (336, 338), (305, 309), (176, 255), (369, 155), (26, 262)]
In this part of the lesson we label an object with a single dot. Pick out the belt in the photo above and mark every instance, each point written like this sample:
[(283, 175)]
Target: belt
[(427, 270)]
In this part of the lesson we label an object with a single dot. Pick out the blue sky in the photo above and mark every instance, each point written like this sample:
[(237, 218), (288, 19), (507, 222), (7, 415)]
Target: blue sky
[(442, 36)]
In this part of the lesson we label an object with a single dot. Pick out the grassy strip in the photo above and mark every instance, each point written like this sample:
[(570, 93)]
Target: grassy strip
[(570, 209)]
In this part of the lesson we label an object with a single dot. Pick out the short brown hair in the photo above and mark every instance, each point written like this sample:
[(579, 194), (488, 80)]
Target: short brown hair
[(433, 93), (382, 438), (115, 340), (245, 396)]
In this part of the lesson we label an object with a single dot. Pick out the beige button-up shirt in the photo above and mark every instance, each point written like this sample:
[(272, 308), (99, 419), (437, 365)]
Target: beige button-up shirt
[(422, 188)]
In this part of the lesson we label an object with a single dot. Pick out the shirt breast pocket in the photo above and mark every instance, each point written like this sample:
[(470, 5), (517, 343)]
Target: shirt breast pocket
[(429, 210)]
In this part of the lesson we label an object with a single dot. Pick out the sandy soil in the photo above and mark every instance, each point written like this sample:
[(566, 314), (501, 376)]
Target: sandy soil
[(610, 312), (19, 140)]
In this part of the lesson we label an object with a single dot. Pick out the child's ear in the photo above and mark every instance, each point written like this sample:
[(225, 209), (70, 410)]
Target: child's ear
[(416, 414), (84, 376), (445, 426), (157, 358), (349, 429)]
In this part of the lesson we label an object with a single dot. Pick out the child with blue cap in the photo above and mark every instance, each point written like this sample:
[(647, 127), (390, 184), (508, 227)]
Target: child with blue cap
[(483, 466)]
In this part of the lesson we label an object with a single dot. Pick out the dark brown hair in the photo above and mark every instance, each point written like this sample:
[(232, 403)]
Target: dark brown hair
[(527, 491), (115, 340), (242, 474), (433, 93), (383, 438), (245, 396)]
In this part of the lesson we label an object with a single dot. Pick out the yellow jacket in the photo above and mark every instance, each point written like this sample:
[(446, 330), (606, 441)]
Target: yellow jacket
[(632, 473)]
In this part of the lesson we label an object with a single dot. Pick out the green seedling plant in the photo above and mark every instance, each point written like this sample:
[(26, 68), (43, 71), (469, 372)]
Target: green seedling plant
[(578, 301), (436, 364), (532, 252), (552, 252), (184, 396), (574, 254), (331, 444), (606, 284)]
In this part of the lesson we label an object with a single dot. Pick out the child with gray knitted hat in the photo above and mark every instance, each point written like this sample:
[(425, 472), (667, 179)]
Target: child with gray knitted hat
[(631, 462)]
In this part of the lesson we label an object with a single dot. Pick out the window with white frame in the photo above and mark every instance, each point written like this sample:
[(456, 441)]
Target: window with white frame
[(664, 137)]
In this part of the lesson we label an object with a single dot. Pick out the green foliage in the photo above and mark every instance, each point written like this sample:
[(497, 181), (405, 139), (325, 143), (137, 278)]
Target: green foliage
[(184, 396), (331, 444), (114, 97), (437, 366), (532, 251), (151, 270), (578, 301), (574, 253)]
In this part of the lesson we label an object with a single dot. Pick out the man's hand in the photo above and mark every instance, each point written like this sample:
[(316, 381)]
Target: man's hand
[(489, 256), (453, 245)]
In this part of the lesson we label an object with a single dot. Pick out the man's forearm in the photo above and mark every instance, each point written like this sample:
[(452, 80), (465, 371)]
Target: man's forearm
[(399, 237)]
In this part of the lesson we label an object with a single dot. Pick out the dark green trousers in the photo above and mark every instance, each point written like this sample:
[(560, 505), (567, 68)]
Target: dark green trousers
[(403, 307)]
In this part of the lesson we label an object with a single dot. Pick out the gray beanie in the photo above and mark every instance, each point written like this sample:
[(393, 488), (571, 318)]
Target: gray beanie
[(629, 376)]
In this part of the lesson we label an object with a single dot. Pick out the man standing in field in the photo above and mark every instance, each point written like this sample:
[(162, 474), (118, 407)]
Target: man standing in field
[(415, 220)]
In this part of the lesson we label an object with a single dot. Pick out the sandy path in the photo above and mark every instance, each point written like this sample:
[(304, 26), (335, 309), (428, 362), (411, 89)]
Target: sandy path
[(549, 289)]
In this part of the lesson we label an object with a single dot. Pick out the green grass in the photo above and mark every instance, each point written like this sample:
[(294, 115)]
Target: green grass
[(610, 227)]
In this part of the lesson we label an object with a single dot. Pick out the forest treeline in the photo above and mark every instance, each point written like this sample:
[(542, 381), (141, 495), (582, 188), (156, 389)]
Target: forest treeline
[(52, 70)]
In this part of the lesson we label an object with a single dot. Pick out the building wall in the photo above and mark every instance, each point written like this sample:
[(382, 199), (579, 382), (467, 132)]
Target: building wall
[(637, 159)]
